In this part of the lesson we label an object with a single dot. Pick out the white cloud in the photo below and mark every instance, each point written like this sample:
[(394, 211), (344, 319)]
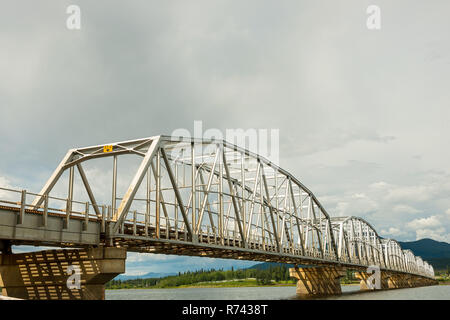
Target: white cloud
[(379, 185), (430, 222), (435, 234), (411, 193), (405, 208), (7, 194), (435, 227), (392, 232)]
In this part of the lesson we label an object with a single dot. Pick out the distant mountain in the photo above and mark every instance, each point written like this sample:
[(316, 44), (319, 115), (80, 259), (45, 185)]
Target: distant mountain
[(144, 276), (435, 252), (428, 248), (267, 265)]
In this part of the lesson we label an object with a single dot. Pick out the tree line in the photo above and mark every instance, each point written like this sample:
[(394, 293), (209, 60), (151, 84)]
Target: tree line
[(263, 277)]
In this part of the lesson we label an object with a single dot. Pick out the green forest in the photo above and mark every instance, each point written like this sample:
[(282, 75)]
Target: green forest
[(273, 275)]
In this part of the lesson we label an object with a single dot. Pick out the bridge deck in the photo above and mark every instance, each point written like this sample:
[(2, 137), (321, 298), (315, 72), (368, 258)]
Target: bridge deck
[(170, 241)]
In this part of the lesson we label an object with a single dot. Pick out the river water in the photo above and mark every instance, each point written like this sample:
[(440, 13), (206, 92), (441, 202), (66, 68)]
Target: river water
[(349, 292)]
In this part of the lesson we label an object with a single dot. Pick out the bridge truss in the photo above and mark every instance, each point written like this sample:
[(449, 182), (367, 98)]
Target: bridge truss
[(212, 198)]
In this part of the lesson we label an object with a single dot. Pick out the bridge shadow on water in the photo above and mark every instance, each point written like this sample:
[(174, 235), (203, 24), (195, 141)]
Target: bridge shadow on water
[(415, 293), (353, 293)]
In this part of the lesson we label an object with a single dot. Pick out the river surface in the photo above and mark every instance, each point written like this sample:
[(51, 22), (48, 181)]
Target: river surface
[(349, 292)]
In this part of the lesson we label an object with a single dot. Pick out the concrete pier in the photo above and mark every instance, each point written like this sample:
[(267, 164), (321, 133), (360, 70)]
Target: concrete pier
[(392, 280), (77, 274), (318, 281), (323, 281)]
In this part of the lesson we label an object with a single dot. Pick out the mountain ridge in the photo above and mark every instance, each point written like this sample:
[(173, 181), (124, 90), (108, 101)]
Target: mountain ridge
[(124, 277), (437, 253)]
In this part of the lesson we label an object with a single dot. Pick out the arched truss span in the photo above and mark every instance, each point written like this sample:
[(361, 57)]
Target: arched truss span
[(197, 189), (358, 241), (394, 254)]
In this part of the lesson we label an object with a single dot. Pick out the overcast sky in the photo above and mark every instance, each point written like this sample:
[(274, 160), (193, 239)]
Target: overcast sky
[(363, 115)]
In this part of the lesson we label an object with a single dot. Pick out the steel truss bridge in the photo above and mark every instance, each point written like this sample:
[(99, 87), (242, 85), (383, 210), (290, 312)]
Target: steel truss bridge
[(196, 197)]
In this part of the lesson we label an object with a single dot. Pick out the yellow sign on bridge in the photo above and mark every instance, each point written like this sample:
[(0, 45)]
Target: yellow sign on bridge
[(107, 148)]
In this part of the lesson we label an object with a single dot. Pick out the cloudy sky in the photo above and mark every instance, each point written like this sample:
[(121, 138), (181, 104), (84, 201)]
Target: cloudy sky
[(363, 115)]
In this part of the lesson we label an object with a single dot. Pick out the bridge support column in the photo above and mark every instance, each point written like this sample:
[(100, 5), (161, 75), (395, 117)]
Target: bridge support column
[(318, 281), (398, 280), (78, 274)]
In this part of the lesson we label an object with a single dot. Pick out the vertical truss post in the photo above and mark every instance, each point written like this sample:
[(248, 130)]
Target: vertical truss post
[(244, 217), (23, 199), (158, 195), (176, 203), (277, 221), (308, 223), (147, 203), (352, 241), (114, 185), (362, 253), (341, 239), (134, 222), (45, 213), (103, 223), (262, 211), (193, 186), (70, 198), (86, 216), (221, 217)]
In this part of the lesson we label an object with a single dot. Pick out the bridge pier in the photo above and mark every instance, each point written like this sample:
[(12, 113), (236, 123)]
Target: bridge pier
[(318, 281), (391, 280), (76, 274), (397, 281)]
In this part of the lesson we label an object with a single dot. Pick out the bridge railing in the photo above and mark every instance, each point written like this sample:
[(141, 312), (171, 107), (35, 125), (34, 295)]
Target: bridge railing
[(397, 259), (22, 200)]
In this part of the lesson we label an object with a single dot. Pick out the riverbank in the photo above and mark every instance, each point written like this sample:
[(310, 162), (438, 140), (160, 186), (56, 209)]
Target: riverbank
[(235, 283)]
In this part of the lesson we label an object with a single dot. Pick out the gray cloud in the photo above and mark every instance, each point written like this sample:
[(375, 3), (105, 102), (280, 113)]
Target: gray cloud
[(354, 107)]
